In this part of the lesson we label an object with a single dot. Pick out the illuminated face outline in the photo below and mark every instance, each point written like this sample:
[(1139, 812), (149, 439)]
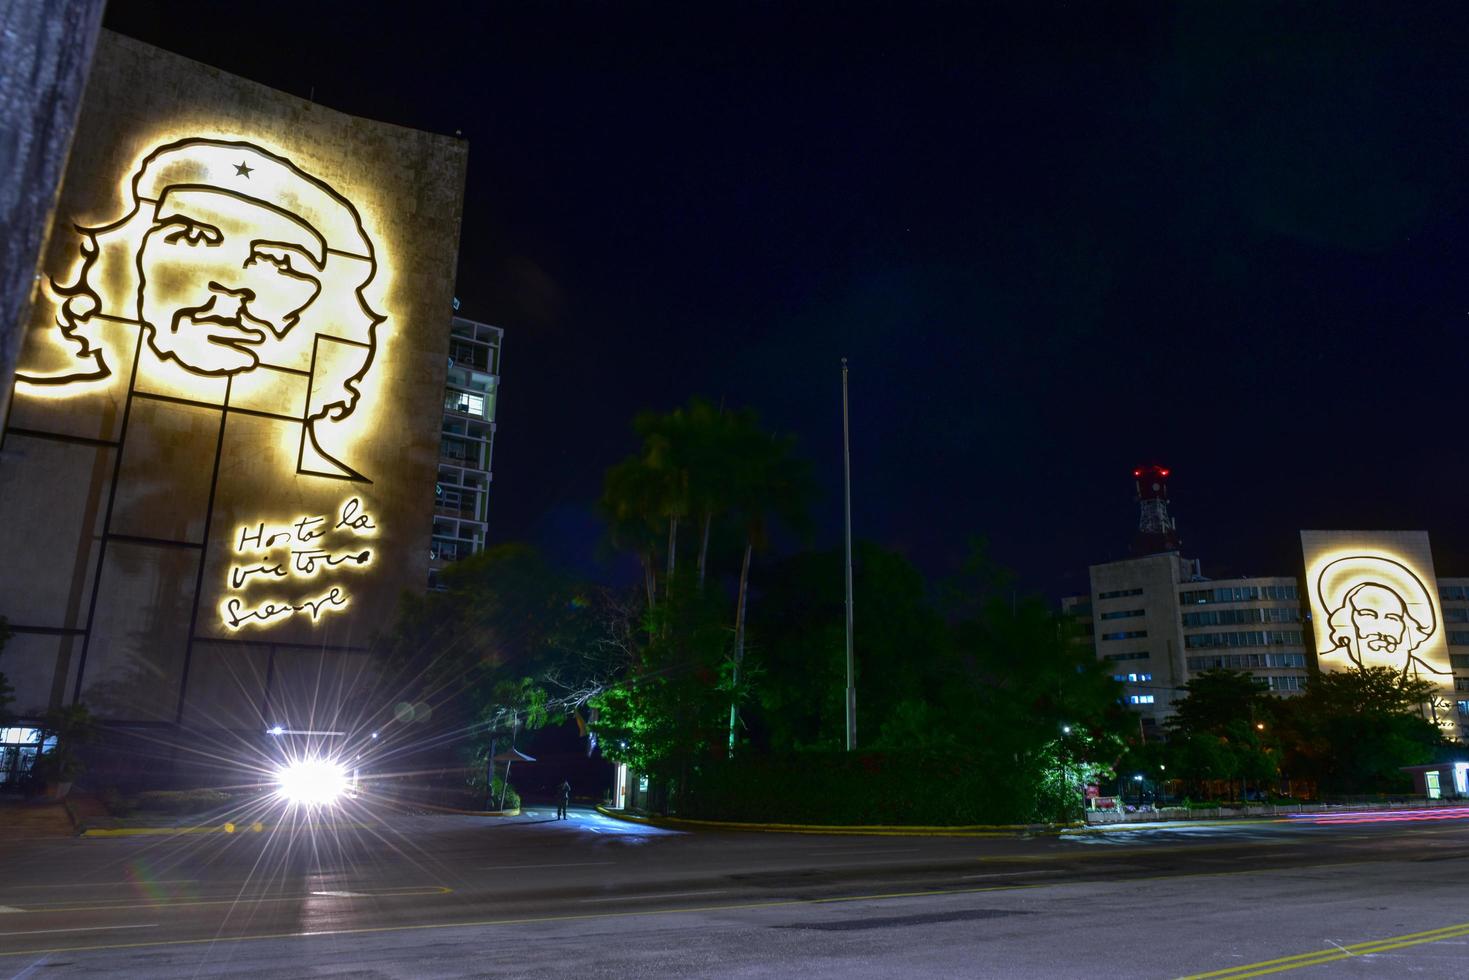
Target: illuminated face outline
[(1372, 621), (308, 237), (1379, 618), (222, 277)]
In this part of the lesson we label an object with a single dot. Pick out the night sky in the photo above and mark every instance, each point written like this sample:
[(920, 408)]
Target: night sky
[(1055, 242)]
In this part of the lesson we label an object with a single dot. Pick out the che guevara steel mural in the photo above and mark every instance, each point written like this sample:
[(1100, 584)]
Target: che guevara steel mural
[(231, 268), (236, 280)]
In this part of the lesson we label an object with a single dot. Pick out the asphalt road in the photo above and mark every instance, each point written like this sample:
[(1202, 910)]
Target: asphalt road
[(456, 896)]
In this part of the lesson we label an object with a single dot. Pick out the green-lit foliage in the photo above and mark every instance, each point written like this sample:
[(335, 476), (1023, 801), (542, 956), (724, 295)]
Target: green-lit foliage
[(669, 713), (1352, 731)]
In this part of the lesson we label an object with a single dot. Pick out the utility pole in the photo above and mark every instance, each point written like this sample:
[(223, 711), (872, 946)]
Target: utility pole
[(847, 491)]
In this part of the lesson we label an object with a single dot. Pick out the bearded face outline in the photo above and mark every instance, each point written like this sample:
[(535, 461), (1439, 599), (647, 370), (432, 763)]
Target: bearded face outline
[(231, 262), (1370, 618)]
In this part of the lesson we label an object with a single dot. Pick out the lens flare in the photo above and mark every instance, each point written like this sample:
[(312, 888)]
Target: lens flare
[(312, 782)]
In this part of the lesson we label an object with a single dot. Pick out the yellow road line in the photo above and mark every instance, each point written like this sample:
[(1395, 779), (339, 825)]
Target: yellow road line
[(1320, 956), (411, 892)]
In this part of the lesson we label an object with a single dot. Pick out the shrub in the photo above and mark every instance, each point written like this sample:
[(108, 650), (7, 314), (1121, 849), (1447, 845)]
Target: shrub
[(873, 788), (180, 801)]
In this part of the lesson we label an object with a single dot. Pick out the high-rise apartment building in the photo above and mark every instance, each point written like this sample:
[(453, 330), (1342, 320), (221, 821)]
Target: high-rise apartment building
[(467, 445)]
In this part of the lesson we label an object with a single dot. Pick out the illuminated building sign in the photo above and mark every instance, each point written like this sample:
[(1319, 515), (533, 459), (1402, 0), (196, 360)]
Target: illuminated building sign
[(307, 550), (225, 427), (233, 278), (1374, 604)]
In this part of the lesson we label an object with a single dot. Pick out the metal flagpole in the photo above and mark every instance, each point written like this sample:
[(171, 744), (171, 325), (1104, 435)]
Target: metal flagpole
[(847, 490)]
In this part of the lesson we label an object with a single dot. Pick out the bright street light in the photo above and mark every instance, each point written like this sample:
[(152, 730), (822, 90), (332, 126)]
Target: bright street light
[(312, 782)]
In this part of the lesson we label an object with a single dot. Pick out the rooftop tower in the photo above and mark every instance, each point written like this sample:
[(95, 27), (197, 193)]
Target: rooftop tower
[(1156, 530)]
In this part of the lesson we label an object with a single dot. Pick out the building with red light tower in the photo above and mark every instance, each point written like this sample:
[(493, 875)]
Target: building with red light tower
[(1157, 621)]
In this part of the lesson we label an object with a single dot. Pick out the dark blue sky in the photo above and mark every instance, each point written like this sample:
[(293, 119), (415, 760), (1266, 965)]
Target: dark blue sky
[(1054, 241)]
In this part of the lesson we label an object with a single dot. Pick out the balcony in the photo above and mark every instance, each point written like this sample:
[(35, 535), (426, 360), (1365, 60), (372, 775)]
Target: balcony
[(465, 510), (451, 549)]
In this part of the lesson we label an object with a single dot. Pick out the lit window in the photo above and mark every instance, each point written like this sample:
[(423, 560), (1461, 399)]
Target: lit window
[(1139, 699)]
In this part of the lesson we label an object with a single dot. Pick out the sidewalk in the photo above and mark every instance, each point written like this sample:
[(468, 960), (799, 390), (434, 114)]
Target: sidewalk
[(1142, 821), (25, 820)]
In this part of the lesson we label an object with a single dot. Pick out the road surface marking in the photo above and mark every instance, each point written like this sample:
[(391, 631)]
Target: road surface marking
[(519, 867), (9, 908), (625, 898), (622, 913), (43, 932), (1339, 952), (405, 892), (342, 894)]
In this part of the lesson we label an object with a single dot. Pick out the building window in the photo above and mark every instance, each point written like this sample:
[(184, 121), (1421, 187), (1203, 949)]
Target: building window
[(1131, 635), (1287, 683), (1250, 638), (1453, 593), (1461, 683), (1123, 614), (1456, 614), (1135, 655), (1459, 660), (1119, 594), (1247, 661), (1458, 638), (1132, 678), (1242, 617), (1140, 699), (1463, 709), (1237, 593)]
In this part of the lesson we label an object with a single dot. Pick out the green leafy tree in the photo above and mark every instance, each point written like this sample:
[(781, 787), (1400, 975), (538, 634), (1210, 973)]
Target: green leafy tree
[(1352, 731), (1025, 682), (710, 463), (902, 647), (1224, 729), (508, 640), (664, 716)]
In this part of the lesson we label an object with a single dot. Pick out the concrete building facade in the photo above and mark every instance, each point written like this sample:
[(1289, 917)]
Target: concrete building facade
[(1156, 621), (228, 406), (467, 444)]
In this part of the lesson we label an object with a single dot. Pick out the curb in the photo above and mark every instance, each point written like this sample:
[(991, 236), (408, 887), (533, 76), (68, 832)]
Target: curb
[(513, 812), (223, 828), (851, 830)]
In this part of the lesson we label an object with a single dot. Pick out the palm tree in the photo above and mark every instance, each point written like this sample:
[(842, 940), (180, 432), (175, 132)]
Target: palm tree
[(771, 485), (631, 497)]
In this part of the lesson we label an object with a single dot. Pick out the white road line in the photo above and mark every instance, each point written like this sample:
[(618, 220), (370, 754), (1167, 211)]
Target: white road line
[(9, 908), (342, 894), (518, 867), (43, 932), (624, 898)]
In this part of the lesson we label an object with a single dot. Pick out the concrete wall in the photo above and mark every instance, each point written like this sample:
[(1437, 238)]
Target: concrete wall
[(124, 498), (46, 50)]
